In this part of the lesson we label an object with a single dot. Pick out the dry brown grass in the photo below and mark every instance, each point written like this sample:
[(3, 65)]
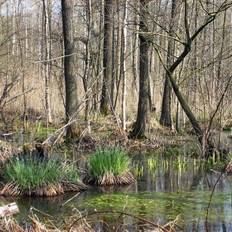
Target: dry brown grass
[(48, 190), (7, 150), (110, 179), (9, 224)]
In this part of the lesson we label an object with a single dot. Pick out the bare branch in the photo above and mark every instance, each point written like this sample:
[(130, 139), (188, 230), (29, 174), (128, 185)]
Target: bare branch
[(117, 212)]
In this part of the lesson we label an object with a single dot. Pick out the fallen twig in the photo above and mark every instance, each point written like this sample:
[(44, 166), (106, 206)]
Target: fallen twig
[(70, 199), (38, 211), (118, 212)]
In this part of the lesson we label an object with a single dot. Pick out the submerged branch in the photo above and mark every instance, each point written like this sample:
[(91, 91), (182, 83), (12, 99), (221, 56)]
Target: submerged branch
[(118, 212)]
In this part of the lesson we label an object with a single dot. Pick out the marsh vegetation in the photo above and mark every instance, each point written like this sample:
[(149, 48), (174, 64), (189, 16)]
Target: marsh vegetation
[(130, 97), (110, 166)]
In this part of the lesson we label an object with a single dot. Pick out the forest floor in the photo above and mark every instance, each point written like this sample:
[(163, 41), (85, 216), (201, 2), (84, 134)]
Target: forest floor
[(105, 131)]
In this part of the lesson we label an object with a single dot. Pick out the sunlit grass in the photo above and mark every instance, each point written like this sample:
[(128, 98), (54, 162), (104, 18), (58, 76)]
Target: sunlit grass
[(107, 165), (107, 160), (31, 174)]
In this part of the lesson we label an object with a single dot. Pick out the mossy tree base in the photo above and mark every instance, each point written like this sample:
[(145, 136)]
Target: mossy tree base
[(137, 135)]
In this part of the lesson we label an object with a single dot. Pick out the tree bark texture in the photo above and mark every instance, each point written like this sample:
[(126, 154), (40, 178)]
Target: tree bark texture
[(124, 67), (107, 57), (166, 115), (47, 9), (140, 125), (69, 60)]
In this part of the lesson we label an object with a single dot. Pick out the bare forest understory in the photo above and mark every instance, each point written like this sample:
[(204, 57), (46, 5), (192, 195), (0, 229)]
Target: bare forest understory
[(156, 63)]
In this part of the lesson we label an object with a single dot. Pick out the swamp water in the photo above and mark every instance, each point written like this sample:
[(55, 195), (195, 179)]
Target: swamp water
[(166, 188)]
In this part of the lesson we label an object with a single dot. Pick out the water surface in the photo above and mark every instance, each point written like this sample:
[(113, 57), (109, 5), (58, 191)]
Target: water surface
[(165, 189)]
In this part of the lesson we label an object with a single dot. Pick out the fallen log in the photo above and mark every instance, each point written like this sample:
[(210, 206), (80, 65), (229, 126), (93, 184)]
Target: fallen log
[(8, 210)]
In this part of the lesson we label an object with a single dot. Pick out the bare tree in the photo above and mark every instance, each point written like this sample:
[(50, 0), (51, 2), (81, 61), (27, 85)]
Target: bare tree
[(107, 56), (69, 66), (143, 105), (203, 137), (124, 67), (47, 28), (166, 116)]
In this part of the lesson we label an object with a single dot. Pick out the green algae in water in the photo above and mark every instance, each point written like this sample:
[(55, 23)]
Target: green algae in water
[(151, 205)]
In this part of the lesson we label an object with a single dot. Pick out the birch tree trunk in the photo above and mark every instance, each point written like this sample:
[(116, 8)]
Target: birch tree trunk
[(99, 56), (124, 67), (47, 28), (118, 54)]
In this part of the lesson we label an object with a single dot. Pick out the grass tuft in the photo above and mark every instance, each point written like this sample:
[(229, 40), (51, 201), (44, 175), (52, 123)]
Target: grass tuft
[(33, 175), (110, 167)]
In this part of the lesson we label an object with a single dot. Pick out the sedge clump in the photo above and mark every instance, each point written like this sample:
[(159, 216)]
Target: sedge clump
[(109, 166), (36, 176)]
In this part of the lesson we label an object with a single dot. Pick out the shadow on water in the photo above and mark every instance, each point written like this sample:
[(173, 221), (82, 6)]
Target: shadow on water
[(165, 189)]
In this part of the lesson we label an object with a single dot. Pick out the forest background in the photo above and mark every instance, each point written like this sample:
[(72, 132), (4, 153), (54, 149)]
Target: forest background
[(76, 61)]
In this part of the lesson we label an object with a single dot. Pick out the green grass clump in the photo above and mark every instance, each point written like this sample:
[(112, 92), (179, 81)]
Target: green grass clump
[(172, 152), (107, 160), (110, 166), (33, 174)]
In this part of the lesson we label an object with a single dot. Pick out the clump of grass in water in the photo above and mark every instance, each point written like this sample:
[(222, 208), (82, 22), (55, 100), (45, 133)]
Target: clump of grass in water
[(170, 152), (33, 175), (110, 167)]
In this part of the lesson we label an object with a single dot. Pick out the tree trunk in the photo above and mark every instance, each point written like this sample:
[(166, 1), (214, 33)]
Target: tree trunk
[(140, 125), (70, 80), (166, 116), (124, 67), (135, 50), (170, 70), (99, 56), (87, 65), (47, 28), (118, 54), (107, 57)]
